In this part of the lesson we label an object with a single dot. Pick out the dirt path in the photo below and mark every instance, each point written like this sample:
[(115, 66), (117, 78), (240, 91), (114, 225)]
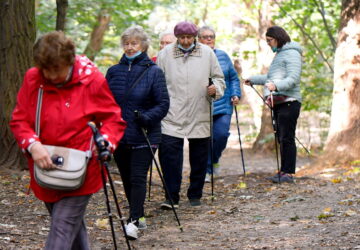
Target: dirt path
[(320, 211)]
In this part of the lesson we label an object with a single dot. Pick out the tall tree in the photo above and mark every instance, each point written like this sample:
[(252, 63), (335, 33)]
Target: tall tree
[(343, 143), (97, 35), (61, 8), (17, 35), (262, 141)]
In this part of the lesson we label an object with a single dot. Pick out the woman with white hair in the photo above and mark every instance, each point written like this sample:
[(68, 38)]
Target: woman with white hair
[(137, 85)]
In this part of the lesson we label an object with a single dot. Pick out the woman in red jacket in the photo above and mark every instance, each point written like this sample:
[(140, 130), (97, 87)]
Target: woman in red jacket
[(74, 93)]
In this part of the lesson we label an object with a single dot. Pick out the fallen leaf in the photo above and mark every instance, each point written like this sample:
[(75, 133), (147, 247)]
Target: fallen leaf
[(102, 224), (327, 210), (295, 218), (241, 185), (350, 212), (336, 180)]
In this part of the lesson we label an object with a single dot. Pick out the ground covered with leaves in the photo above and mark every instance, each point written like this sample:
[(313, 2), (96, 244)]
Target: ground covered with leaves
[(321, 210)]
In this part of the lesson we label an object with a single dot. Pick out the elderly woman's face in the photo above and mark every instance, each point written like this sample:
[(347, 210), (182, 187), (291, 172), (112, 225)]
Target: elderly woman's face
[(186, 40), (56, 74), (207, 37), (132, 46)]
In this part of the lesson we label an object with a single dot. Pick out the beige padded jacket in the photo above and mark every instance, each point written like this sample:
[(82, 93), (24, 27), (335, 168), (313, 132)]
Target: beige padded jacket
[(187, 79)]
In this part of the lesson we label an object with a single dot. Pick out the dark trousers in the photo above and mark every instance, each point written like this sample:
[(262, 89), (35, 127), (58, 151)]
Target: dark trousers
[(286, 115), (67, 229), (171, 156), (133, 165), (221, 127)]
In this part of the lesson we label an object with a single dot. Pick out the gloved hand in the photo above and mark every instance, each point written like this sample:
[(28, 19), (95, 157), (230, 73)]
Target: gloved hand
[(141, 119)]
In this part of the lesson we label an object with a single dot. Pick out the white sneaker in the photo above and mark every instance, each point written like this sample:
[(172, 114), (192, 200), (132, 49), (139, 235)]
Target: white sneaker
[(208, 178), (131, 231), (216, 168)]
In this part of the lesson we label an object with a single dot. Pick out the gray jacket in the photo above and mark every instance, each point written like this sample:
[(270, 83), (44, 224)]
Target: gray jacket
[(187, 80), (284, 72)]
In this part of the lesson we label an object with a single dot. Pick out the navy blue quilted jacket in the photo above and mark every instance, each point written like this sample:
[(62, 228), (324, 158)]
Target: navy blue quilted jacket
[(149, 96), (223, 105)]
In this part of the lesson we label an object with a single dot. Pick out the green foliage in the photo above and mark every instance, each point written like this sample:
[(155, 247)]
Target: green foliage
[(236, 30), (82, 17), (317, 78)]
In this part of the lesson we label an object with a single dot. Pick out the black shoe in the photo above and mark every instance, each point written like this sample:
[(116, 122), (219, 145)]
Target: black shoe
[(166, 205), (283, 178), (195, 202)]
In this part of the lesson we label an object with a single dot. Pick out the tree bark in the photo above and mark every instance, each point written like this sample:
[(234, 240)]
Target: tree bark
[(263, 141), (97, 35), (61, 8), (343, 143), (17, 35)]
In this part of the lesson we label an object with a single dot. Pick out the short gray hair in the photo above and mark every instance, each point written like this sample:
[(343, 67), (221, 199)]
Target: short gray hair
[(166, 32), (136, 32), (204, 28)]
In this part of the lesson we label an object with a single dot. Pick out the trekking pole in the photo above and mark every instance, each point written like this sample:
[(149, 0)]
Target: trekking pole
[(150, 177), (241, 149), (264, 101), (274, 123), (104, 157), (211, 143), (137, 114)]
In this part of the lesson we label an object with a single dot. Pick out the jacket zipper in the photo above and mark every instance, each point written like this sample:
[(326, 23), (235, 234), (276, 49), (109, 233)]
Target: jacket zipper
[(130, 66)]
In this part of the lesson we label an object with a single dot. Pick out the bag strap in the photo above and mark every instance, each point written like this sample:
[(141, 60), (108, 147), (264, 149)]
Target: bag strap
[(37, 122), (134, 84), (38, 112)]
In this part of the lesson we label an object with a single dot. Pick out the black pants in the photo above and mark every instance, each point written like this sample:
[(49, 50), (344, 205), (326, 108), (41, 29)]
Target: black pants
[(133, 165), (171, 153), (286, 115)]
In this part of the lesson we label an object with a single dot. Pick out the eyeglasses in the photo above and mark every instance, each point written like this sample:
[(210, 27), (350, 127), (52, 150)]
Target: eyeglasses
[(269, 40), (211, 37)]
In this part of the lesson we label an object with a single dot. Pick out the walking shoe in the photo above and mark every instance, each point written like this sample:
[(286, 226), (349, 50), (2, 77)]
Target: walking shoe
[(142, 223), (195, 202), (166, 205), (131, 230), (208, 178), (284, 177), (216, 167)]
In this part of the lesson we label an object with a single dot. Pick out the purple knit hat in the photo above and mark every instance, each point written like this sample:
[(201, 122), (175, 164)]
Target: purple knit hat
[(185, 28)]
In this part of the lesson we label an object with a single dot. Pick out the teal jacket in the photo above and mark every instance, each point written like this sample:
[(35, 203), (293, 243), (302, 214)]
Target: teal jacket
[(284, 72)]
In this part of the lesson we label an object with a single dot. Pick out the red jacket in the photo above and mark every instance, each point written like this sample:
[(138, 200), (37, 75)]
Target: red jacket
[(64, 116)]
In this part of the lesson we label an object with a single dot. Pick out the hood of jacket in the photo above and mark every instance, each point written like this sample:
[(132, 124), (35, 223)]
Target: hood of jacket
[(83, 72), (292, 45)]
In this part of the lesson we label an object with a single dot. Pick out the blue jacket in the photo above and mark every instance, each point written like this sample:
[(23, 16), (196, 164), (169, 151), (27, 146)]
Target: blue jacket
[(223, 105), (150, 97), (284, 72)]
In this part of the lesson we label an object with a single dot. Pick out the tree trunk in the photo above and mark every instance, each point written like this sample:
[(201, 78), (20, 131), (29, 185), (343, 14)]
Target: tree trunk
[(263, 141), (97, 35), (61, 8), (17, 35), (343, 143)]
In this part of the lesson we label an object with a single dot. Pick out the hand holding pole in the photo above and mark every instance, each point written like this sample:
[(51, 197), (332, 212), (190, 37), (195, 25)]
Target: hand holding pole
[(104, 157)]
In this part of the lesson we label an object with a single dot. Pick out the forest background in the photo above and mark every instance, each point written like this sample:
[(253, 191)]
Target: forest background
[(328, 30), (321, 211)]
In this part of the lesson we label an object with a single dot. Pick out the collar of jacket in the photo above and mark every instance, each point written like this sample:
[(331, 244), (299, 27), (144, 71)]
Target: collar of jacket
[(140, 59), (179, 53)]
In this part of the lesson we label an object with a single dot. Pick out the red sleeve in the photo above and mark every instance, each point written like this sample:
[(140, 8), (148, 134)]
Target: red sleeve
[(22, 121), (107, 112)]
